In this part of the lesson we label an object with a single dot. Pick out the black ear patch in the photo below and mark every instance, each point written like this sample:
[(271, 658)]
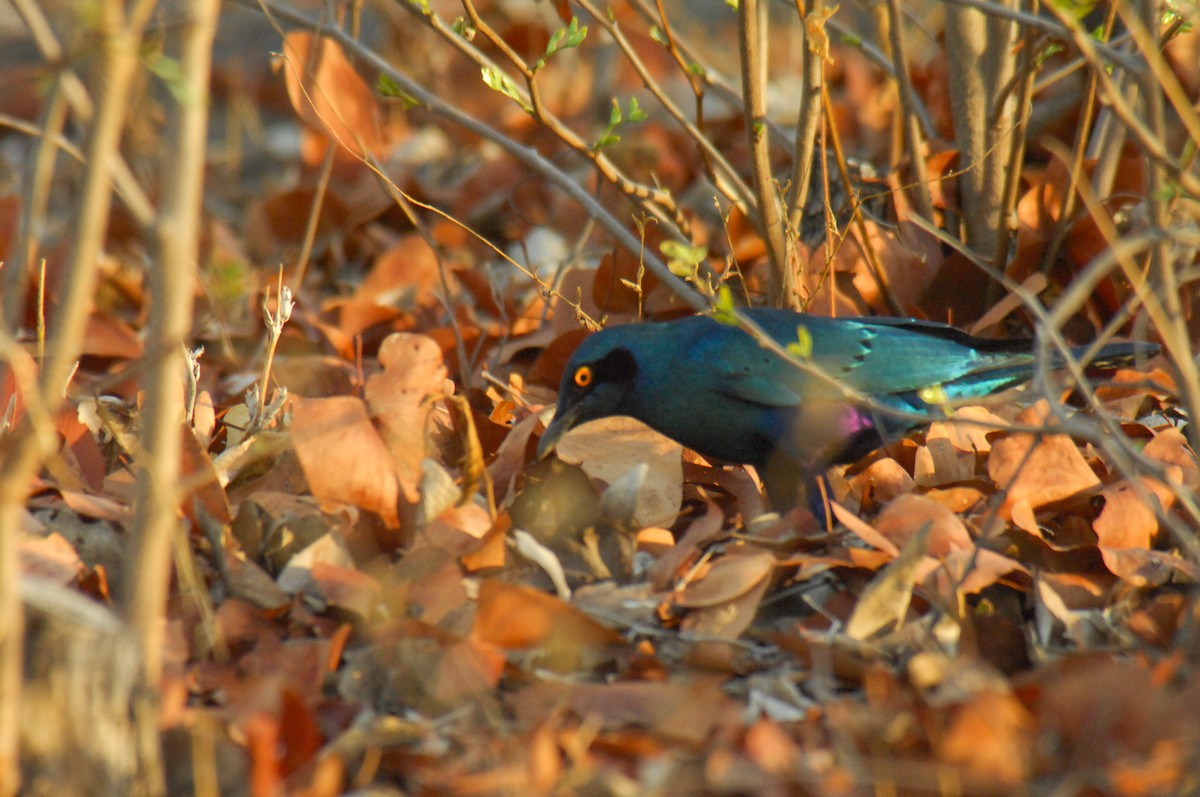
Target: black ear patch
[(618, 365)]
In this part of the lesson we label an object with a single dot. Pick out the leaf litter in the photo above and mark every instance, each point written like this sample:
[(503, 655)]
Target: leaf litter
[(403, 598)]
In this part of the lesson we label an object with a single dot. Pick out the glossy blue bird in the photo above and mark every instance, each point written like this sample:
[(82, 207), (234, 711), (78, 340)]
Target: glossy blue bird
[(714, 388)]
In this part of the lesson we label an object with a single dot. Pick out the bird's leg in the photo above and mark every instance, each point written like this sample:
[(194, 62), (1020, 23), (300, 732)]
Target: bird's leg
[(785, 482), (790, 485)]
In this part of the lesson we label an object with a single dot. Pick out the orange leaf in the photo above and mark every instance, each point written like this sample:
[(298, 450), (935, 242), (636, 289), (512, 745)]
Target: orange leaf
[(343, 457), (609, 448), (412, 372), (992, 737), (730, 577), (904, 517), (1038, 470), (403, 275), (519, 618), (329, 96), (1127, 520)]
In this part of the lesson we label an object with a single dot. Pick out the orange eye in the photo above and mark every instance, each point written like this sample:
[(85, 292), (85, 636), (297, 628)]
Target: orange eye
[(583, 376)]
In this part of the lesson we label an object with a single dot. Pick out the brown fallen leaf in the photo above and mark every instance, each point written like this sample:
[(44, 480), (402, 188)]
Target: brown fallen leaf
[(343, 457), (730, 577), (1171, 448), (990, 736), (50, 557), (968, 572), (404, 275), (699, 533), (398, 398), (518, 618), (1038, 470), (906, 516), (885, 600), (1128, 519), (864, 531), (609, 448), (329, 95), (684, 710)]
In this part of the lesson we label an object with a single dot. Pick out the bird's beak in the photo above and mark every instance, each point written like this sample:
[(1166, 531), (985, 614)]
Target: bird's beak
[(564, 420)]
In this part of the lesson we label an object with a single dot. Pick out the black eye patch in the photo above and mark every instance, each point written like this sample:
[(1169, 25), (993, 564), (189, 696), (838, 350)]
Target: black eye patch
[(616, 366)]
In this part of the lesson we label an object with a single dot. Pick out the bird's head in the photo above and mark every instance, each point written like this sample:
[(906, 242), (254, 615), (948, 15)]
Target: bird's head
[(598, 382)]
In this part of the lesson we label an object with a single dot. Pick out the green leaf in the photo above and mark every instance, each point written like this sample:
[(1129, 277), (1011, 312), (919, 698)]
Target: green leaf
[(934, 395), (563, 39), (463, 27), (683, 260), (170, 72), (1078, 9), (388, 88), (636, 114), (724, 309), (657, 35), (1169, 192), (423, 5), (1050, 50), (802, 347), (575, 34), (1181, 11), (732, 4), (615, 119), (498, 81)]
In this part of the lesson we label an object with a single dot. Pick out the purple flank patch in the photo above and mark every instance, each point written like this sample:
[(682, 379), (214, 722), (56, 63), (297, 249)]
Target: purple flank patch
[(855, 421)]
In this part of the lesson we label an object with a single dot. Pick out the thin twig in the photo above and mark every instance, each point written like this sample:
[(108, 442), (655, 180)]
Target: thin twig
[(726, 179), (314, 213), (912, 129), (1025, 72), (1083, 131), (1153, 146), (752, 36), (172, 282), (130, 191), (808, 123), (1063, 32), (528, 156)]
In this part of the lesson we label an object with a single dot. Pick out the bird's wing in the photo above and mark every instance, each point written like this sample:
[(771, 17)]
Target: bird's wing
[(876, 356), (744, 370), (885, 355)]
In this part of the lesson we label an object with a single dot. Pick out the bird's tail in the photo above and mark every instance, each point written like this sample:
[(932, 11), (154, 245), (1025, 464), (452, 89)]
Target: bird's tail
[(1006, 375), (1116, 355)]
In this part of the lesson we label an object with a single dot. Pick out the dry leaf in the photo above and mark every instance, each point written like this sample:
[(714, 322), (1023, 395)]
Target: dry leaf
[(991, 737), (864, 531), (1127, 520), (681, 710), (906, 516), (1038, 470), (343, 457), (519, 618), (413, 371), (699, 533), (730, 577), (50, 557), (610, 448), (328, 94), (886, 598), (402, 276)]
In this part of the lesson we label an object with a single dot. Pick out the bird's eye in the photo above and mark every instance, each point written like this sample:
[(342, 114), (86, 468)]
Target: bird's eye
[(583, 376)]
